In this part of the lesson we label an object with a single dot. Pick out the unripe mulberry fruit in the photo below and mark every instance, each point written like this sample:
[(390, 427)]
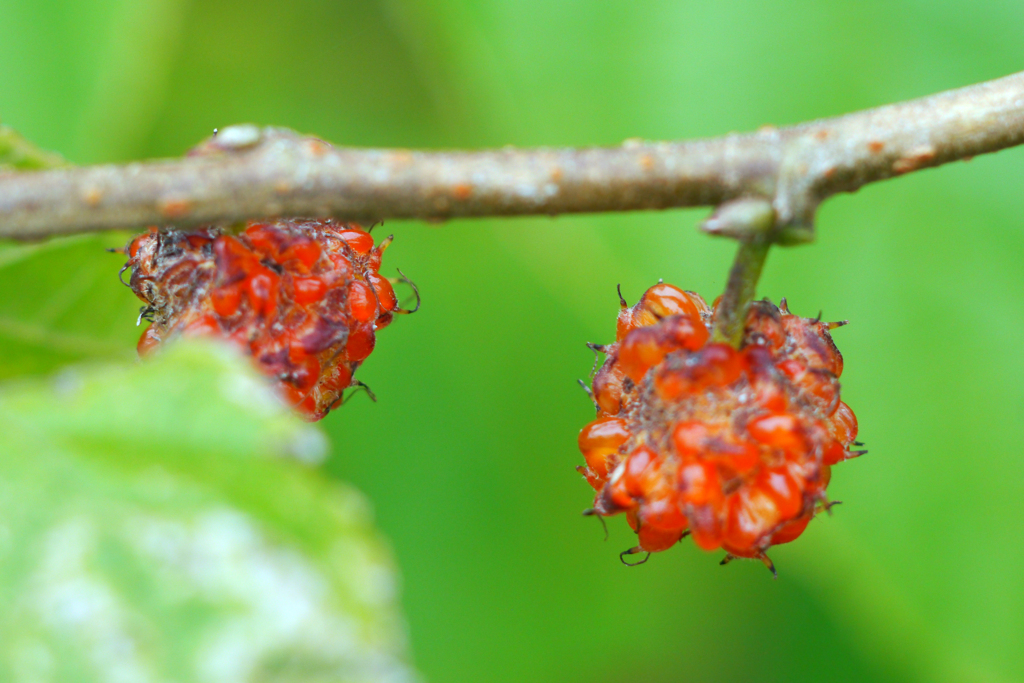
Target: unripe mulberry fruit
[(303, 298), (695, 437)]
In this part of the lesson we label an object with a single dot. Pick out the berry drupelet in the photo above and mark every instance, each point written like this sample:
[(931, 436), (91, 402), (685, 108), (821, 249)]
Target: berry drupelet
[(694, 437), (304, 298)]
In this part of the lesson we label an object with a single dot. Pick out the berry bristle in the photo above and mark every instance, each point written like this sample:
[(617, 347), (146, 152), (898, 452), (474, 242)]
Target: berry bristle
[(733, 447), (303, 298)]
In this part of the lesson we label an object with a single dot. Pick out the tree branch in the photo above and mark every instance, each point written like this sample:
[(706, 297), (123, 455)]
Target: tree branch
[(246, 172)]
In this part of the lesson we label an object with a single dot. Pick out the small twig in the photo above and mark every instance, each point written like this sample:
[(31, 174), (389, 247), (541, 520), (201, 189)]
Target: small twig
[(252, 173)]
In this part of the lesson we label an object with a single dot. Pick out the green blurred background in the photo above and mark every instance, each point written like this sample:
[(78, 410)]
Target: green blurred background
[(468, 456)]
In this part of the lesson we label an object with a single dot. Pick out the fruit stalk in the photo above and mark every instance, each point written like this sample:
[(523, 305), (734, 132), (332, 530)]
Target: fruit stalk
[(739, 292), (753, 222)]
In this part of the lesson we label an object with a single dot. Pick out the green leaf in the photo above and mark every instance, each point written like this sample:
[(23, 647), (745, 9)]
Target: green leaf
[(66, 308), (64, 304), (156, 524), (18, 154)]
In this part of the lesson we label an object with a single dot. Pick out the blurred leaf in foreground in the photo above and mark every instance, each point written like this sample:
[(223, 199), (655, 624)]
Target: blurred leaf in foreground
[(156, 525)]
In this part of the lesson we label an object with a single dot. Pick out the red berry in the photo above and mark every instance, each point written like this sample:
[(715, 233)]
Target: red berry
[(362, 302), (308, 290), (733, 446), (601, 439), (660, 301), (303, 297)]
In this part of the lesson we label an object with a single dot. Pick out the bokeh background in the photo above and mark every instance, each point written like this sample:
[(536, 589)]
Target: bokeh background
[(468, 456)]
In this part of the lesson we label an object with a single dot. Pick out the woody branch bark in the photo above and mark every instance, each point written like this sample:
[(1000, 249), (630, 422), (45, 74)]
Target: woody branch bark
[(253, 173)]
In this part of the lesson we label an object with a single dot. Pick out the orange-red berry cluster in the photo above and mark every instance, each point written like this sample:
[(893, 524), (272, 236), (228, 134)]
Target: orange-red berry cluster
[(731, 446), (303, 297)]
